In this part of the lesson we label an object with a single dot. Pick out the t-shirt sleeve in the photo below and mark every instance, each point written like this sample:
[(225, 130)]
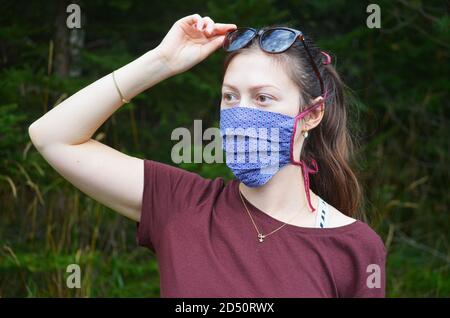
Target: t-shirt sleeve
[(365, 274), (372, 282), (168, 191)]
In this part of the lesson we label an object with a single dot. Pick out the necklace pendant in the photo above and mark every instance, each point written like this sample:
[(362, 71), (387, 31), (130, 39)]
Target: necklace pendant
[(261, 238)]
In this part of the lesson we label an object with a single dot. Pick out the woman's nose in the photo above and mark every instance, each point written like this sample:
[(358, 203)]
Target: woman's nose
[(246, 102)]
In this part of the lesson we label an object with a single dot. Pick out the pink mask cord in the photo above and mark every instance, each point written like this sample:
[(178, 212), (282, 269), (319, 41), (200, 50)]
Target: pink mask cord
[(328, 60), (306, 171)]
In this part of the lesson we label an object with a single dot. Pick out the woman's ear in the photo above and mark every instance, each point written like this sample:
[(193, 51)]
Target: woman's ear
[(313, 118)]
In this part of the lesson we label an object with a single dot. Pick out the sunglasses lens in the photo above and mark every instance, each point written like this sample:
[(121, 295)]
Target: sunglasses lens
[(237, 39), (277, 40)]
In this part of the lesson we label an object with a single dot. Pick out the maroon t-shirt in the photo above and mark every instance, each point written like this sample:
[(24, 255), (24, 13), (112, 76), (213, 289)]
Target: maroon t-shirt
[(207, 246)]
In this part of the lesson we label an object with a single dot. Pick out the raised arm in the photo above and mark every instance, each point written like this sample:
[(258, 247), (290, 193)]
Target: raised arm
[(64, 137), (64, 134)]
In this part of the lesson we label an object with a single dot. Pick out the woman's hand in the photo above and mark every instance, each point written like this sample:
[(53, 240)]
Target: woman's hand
[(190, 40)]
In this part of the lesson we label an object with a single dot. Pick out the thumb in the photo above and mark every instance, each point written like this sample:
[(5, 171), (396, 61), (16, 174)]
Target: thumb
[(215, 43)]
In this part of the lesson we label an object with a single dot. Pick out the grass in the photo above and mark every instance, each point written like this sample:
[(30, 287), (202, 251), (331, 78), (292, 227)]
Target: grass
[(37, 274), (38, 240)]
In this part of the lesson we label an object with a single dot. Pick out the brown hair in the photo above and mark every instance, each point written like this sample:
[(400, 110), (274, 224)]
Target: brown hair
[(330, 142)]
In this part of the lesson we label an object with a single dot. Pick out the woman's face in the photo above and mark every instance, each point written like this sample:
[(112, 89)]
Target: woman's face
[(255, 80)]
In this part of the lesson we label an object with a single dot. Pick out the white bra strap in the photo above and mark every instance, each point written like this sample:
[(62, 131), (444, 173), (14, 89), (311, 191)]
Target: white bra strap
[(322, 213)]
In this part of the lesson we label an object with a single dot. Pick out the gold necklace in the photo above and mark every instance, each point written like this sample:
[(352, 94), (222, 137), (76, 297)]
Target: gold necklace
[(261, 236)]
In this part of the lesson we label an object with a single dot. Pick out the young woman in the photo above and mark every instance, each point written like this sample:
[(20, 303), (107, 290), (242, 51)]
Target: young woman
[(265, 233)]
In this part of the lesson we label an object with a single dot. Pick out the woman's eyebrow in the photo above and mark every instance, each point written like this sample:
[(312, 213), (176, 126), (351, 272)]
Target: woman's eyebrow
[(252, 88)]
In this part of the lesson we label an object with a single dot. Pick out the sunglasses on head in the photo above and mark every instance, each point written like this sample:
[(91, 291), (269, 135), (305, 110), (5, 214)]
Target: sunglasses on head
[(271, 40)]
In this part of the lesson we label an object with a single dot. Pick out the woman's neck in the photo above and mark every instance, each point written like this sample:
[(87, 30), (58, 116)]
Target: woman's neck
[(283, 196)]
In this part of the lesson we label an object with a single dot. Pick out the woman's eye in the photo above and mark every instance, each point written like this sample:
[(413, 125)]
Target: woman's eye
[(265, 98), (226, 96), (260, 98)]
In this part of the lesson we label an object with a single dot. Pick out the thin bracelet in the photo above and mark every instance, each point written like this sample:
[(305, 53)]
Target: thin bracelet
[(118, 90)]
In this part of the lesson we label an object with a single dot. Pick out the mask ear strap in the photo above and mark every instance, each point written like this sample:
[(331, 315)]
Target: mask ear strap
[(297, 118), (306, 171), (327, 56)]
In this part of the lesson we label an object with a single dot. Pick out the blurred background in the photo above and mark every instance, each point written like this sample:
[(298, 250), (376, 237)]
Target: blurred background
[(399, 76)]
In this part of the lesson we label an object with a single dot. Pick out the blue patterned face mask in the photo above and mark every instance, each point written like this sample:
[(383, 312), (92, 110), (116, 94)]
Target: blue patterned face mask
[(258, 143)]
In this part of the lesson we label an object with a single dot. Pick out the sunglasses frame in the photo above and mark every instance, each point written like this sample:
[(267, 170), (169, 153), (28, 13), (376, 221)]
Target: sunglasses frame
[(260, 33)]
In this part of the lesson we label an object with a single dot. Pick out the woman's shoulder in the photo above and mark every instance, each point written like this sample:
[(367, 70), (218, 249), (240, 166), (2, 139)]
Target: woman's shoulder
[(362, 234), (357, 247), (336, 218)]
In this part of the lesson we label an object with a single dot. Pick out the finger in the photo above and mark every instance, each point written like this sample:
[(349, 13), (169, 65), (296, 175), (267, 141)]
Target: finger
[(209, 25), (194, 20), (222, 28), (190, 19), (215, 43), (199, 24)]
